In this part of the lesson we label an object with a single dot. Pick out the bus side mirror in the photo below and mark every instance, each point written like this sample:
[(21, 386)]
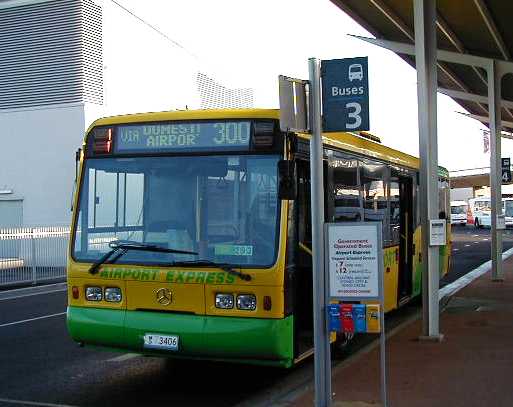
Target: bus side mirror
[(287, 186)]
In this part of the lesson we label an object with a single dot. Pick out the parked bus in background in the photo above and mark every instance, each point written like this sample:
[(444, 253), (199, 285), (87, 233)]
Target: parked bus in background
[(479, 212), (459, 213), (192, 233)]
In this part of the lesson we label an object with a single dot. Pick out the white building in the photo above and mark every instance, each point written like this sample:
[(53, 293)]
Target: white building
[(64, 63)]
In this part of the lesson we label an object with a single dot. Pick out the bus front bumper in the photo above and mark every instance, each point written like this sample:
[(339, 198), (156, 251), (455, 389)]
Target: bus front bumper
[(252, 340)]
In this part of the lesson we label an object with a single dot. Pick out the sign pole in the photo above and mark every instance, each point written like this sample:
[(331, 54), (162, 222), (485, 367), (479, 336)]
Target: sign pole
[(322, 359), (383, 336)]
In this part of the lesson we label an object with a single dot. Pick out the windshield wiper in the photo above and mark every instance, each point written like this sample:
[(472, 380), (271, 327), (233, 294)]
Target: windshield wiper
[(223, 266), (120, 247)]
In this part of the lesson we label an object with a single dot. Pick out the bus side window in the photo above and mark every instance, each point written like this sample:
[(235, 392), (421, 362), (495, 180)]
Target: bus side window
[(346, 190), (373, 186)]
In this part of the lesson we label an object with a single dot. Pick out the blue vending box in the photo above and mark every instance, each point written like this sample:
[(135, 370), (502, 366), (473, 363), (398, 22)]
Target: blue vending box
[(359, 317), (334, 317)]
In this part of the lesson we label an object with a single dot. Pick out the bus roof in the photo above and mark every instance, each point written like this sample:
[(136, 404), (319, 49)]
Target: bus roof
[(189, 115), (347, 141)]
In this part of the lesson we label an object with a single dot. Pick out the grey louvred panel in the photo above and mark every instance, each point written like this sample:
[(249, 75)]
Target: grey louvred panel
[(51, 53)]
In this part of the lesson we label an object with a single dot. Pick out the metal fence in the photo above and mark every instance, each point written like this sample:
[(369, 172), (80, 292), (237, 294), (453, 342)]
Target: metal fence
[(31, 255)]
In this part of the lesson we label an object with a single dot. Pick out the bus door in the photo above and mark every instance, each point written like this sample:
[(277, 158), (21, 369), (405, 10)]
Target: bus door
[(405, 217), (303, 290)]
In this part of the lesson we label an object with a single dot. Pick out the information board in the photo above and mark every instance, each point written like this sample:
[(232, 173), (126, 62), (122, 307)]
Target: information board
[(345, 94), (437, 232), (354, 260), (168, 137)]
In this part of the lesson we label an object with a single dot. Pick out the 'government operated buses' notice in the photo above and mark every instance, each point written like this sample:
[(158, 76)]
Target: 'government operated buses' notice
[(353, 261)]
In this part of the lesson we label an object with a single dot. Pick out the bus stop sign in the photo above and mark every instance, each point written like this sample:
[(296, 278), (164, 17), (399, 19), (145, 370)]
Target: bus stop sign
[(345, 94)]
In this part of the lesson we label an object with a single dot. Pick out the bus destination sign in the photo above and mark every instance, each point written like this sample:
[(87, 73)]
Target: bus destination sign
[(192, 136)]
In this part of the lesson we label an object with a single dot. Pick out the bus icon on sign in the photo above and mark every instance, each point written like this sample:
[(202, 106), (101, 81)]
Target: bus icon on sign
[(355, 72)]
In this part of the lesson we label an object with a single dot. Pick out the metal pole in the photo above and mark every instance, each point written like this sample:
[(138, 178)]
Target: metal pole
[(383, 360), (383, 334), (494, 111), (321, 337), (425, 57)]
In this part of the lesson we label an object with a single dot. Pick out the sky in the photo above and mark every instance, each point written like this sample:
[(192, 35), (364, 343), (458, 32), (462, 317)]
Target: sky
[(249, 43)]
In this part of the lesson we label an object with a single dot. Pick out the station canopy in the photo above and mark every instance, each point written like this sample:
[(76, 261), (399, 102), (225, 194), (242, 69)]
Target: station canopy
[(479, 27)]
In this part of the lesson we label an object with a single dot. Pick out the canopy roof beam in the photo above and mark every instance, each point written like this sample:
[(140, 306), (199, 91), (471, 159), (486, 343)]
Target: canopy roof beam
[(472, 97), (492, 27), (442, 55), (486, 119), (408, 33), (446, 30)]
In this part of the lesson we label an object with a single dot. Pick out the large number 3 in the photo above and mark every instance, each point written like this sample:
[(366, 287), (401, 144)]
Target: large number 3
[(355, 115)]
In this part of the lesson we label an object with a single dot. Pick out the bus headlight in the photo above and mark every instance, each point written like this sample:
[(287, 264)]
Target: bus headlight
[(93, 293), (113, 294), (224, 301), (246, 302)]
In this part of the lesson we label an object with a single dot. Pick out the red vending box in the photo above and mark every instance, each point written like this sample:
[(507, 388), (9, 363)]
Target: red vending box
[(347, 318)]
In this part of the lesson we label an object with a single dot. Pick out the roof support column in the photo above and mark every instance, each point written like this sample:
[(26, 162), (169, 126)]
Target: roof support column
[(494, 111), (425, 57)]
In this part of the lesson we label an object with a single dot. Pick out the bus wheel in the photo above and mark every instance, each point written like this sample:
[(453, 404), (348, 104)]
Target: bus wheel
[(476, 224)]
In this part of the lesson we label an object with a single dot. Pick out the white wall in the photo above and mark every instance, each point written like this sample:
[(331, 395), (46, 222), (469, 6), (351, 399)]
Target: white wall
[(37, 157)]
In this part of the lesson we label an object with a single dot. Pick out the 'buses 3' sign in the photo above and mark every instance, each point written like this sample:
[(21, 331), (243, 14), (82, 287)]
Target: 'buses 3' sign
[(345, 94)]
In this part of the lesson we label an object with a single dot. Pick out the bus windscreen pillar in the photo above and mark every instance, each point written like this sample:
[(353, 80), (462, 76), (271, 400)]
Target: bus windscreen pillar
[(494, 103), (425, 57)]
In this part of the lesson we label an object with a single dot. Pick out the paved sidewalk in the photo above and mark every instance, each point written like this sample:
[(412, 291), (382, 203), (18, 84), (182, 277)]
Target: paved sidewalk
[(473, 366)]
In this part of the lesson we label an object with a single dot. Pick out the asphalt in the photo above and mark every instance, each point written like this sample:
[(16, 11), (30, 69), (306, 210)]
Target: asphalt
[(470, 248), (40, 365)]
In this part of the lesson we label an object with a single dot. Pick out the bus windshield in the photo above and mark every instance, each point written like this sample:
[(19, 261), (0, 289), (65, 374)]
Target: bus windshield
[(458, 209), (223, 207)]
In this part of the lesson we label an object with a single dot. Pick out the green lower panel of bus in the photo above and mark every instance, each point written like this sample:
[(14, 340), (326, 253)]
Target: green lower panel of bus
[(251, 340)]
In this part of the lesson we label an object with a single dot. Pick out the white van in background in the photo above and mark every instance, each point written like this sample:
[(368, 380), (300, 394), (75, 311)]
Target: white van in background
[(478, 212), (459, 212)]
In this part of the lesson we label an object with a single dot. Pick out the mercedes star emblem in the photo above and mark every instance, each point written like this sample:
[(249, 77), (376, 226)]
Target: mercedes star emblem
[(164, 296)]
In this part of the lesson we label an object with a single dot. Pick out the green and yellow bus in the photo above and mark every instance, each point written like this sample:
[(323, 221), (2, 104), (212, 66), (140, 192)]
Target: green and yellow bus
[(191, 232)]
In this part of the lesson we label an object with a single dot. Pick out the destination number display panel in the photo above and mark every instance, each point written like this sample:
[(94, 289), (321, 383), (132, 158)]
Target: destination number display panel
[(183, 137)]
